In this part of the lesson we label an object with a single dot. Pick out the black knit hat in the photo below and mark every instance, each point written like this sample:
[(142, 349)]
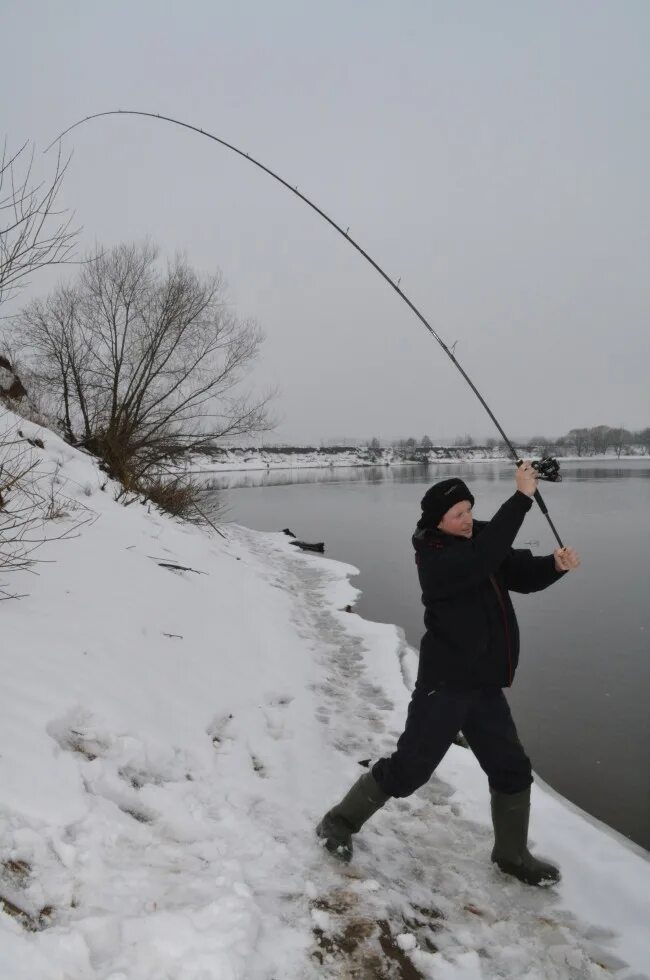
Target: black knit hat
[(440, 497)]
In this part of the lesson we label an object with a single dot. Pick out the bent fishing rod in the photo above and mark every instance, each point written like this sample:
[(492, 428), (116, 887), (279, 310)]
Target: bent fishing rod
[(395, 285)]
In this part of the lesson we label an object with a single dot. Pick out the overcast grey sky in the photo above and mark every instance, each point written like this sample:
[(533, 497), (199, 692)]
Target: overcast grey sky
[(495, 155)]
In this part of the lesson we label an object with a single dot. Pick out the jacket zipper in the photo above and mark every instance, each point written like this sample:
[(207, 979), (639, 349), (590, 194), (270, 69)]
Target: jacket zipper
[(502, 606)]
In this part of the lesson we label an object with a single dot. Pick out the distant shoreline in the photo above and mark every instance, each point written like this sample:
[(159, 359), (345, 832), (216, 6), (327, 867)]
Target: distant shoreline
[(236, 459)]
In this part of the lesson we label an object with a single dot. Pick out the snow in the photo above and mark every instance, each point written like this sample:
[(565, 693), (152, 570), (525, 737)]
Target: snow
[(235, 459), (169, 739), (259, 459)]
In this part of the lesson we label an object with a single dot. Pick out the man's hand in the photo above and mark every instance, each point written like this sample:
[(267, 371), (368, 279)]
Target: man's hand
[(566, 559), (527, 478)]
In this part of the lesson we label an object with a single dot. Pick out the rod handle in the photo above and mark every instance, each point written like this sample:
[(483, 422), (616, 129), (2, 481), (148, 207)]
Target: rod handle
[(544, 509)]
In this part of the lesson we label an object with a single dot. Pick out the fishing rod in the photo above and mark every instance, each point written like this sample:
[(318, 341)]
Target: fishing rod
[(547, 470)]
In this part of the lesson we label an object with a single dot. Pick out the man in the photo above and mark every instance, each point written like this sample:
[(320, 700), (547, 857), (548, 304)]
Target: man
[(467, 655)]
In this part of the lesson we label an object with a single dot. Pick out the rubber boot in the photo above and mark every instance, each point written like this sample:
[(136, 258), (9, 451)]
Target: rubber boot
[(510, 812), (348, 817)]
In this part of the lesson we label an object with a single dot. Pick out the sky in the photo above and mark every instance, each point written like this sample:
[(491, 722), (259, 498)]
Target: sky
[(492, 156)]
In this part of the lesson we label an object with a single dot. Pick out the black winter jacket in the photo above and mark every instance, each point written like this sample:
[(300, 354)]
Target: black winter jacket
[(472, 637)]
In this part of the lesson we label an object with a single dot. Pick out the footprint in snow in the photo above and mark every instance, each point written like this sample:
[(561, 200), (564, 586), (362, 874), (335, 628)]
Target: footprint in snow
[(124, 799), (280, 700), (137, 778), (258, 767), (275, 724), (218, 729), (76, 732), (141, 814)]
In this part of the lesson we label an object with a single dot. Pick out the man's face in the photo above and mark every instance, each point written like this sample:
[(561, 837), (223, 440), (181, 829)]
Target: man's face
[(458, 520)]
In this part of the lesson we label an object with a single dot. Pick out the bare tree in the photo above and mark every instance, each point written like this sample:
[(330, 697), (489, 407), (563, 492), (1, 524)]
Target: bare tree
[(601, 438), (581, 440), (619, 438), (146, 366), (539, 444), (643, 438), (33, 233), (31, 503)]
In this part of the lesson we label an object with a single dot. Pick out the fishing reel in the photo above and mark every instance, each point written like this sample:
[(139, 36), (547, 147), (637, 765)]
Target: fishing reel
[(547, 468)]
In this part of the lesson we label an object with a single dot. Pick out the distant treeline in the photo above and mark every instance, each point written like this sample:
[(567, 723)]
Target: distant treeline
[(599, 440), (577, 442)]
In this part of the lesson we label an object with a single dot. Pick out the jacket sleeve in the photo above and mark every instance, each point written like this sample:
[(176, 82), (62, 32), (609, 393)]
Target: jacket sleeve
[(448, 571), (524, 572)]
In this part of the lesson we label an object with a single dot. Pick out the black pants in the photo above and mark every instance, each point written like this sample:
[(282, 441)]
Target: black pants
[(434, 719)]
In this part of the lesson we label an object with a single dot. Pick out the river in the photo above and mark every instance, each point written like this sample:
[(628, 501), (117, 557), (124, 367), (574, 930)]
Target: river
[(581, 694)]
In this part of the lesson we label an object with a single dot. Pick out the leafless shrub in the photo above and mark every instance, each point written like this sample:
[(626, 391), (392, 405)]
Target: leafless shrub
[(28, 505), (146, 366), (177, 495), (54, 506)]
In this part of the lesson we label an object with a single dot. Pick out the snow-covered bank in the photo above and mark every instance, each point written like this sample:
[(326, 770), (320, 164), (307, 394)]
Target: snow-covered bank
[(261, 459), (178, 710)]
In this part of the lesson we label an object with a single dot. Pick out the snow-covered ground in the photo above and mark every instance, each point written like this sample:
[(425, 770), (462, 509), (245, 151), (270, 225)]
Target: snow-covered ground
[(260, 459), (178, 709)]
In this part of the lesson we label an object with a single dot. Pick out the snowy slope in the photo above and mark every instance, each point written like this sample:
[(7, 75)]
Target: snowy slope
[(168, 739)]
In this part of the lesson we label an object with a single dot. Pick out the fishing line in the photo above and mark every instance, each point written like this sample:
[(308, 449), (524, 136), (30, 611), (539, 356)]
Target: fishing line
[(395, 285)]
